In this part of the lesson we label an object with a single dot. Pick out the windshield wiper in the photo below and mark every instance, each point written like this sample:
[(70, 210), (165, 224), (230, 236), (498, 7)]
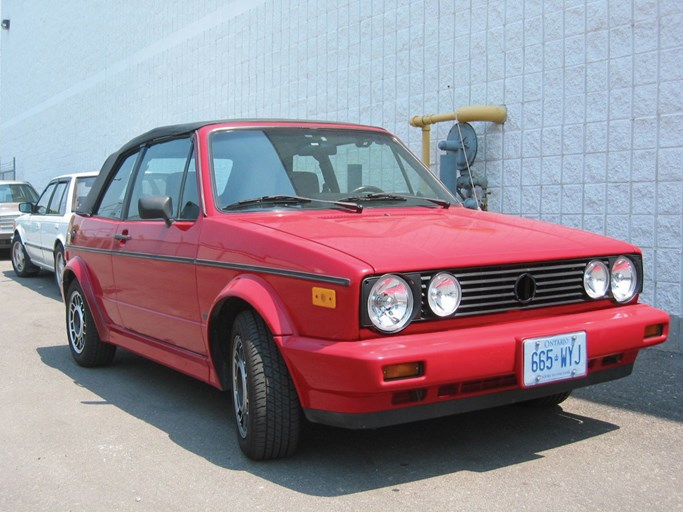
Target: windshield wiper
[(440, 202), (376, 196), (277, 199), (384, 196), (285, 200)]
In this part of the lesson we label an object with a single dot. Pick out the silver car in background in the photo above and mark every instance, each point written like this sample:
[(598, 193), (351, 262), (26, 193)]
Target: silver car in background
[(40, 234), (12, 193)]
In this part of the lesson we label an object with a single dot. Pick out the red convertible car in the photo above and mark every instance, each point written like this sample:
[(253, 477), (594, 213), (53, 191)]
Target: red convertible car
[(318, 271)]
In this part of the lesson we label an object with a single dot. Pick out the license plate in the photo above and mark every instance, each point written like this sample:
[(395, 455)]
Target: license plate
[(553, 358)]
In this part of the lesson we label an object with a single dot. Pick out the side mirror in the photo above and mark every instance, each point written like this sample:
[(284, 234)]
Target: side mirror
[(26, 207), (156, 207)]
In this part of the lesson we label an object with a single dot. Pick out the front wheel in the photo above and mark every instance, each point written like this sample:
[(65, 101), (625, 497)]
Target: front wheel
[(21, 263), (84, 341), (266, 406)]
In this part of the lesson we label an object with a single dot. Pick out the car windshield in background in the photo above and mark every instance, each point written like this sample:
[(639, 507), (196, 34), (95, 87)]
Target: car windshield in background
[(326, 165), (17, 193)]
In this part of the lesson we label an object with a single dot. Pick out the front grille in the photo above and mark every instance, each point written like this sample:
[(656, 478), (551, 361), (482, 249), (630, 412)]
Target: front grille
[(488, 290), (7, 221)]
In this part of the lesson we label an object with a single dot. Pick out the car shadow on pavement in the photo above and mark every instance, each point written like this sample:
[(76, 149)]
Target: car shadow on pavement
[(329, 461), (43, 283), (653, 388)]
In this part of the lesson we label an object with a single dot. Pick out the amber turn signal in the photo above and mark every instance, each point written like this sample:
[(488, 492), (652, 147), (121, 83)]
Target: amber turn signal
[(653, 331), (402, 371), (324, 297)]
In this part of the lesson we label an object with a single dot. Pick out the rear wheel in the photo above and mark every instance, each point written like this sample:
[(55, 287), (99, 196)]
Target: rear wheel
[(548, 401), (60, 263), (21, 262), (84, 341), (266, 406)]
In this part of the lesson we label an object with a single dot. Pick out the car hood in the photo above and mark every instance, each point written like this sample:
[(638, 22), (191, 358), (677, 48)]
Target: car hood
[(393, 240)]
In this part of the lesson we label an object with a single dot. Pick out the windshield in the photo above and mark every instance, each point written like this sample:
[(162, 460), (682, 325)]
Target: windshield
[(255, 166), (17, 193)]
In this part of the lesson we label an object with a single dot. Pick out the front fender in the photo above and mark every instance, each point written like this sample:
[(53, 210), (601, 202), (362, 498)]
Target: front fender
[(261, 296), (77, 269), (18, 231)]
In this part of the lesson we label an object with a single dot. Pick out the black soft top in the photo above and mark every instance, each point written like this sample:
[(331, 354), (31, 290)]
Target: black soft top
[(163, 132), (168, 132)]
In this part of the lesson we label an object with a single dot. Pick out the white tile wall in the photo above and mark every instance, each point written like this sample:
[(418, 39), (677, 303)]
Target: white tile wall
[(594, 91)]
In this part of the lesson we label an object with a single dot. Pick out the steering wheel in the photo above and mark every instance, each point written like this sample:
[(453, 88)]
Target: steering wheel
[(367, 188)]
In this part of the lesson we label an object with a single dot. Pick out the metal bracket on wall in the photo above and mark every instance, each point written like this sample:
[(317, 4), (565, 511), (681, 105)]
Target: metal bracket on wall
[(493, 113)]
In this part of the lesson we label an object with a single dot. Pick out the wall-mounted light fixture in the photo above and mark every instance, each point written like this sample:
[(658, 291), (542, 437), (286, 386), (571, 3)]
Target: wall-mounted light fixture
[(5, 25)]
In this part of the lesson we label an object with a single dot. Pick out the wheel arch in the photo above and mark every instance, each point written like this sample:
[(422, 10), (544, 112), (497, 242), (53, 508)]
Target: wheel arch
[(76, 270), (243, 292), (17, 232), (59, 241)]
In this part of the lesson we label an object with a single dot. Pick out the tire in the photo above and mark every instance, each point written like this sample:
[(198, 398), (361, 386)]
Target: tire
[(59, 262), (21, 263), (84, 341), (267, 411), (548, 401)]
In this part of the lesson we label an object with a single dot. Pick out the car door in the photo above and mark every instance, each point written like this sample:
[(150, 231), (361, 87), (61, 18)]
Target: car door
[(52, 223), (33, 225), (154, 266), (98, 234)]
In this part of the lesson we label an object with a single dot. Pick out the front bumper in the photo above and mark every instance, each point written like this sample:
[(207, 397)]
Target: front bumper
[(342, 383)]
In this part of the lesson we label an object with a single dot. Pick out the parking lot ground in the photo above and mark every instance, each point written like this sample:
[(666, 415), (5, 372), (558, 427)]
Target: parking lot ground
[(138, 436)]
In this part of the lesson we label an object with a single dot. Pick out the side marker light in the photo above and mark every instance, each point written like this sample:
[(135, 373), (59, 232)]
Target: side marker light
[(324, 297)]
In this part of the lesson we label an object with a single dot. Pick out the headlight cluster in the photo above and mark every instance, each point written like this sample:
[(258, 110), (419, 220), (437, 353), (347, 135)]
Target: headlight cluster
[(444, 294), (621, 279), (391, 303)]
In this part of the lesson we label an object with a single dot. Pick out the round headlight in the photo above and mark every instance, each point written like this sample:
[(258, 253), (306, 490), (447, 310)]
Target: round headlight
[(444, 294), (596, 279), (624, 279), (390, 303)]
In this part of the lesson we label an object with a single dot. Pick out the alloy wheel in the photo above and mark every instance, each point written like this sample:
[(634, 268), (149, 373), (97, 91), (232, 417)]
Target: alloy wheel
[(60, 263), (18, 256), (76, 323), (240, 391)]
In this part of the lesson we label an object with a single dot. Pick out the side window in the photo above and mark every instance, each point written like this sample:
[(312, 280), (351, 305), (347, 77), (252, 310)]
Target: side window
[(111, 204), (189, 202), (161, 174), (41, 207), (83, 186), (58, 203)]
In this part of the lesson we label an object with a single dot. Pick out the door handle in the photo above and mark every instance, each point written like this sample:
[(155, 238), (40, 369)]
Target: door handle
[(122, 237)]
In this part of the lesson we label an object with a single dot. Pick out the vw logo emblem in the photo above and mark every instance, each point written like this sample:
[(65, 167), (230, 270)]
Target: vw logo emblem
[(525, 288)]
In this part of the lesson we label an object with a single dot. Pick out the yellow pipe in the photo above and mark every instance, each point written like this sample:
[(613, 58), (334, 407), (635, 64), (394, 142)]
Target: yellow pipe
[(425, 143), (493, 113)]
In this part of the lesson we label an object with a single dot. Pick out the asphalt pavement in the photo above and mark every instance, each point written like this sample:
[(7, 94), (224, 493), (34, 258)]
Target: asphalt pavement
[(138, 436)]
